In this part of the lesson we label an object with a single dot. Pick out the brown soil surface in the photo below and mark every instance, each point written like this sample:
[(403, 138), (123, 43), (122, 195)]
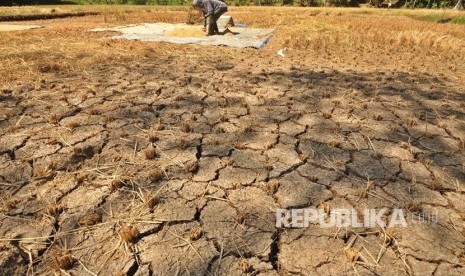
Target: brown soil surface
[(10, 27), (130, 158)]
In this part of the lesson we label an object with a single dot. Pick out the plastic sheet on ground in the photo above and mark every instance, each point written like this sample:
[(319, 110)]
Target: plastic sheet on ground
[(237, 37)]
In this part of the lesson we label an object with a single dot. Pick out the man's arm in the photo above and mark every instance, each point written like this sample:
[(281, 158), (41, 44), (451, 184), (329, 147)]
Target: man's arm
[(204, 20), (209, 8)]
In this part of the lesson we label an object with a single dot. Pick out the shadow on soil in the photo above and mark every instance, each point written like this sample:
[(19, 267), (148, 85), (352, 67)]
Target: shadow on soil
[(385, 127)]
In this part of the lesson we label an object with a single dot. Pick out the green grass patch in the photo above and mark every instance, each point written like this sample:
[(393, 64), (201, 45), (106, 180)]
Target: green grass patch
[(443, 17), (459, 20)]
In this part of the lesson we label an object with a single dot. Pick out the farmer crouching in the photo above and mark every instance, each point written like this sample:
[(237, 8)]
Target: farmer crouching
[(211, 11)]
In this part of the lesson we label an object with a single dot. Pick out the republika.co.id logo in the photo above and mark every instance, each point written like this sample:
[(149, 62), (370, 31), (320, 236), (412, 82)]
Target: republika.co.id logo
[(300, 218)]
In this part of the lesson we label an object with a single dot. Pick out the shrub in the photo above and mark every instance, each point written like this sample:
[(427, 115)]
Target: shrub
[(435, 4)]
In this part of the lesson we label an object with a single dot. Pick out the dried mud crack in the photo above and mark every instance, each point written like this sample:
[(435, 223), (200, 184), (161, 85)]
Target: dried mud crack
[(110, 172)]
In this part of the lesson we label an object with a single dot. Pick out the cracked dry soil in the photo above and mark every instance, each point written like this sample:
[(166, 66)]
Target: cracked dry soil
[(175, 167)]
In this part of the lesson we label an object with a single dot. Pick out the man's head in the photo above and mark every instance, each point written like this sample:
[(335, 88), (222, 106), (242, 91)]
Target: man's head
[(197, 4)]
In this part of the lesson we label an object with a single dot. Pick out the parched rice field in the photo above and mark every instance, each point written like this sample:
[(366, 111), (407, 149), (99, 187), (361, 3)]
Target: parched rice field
[(144, 158)]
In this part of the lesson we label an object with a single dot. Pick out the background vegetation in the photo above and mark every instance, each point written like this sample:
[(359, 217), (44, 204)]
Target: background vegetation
[(339, 3)]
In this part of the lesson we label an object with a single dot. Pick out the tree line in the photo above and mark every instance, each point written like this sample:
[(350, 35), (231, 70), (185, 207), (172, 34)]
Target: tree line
[(457, 4)]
